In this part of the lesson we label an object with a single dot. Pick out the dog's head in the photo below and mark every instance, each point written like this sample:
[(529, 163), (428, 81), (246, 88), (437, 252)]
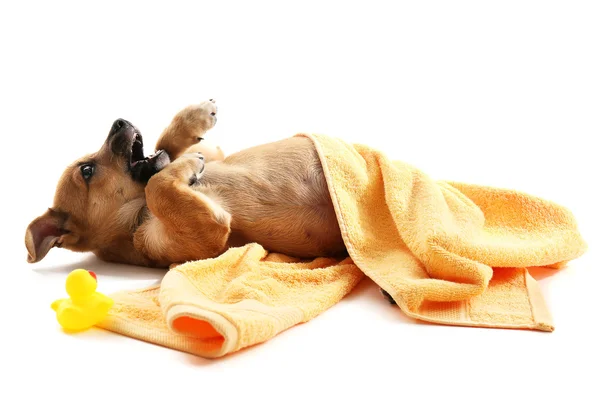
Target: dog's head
[(98, 199)]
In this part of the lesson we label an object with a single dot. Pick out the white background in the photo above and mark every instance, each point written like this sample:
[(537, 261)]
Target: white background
[(505, 94)]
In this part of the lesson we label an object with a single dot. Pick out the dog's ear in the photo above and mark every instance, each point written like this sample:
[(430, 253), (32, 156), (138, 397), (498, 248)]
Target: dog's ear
[(44, 233)]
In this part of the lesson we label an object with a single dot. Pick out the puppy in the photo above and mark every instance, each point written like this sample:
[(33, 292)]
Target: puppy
[(187, 202)]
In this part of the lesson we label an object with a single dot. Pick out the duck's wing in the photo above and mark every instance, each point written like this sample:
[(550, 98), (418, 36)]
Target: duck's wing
[(106, 303), (101, 303)]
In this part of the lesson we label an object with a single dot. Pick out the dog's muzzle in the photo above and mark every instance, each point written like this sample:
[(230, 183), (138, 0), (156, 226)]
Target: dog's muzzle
[(126, 141)]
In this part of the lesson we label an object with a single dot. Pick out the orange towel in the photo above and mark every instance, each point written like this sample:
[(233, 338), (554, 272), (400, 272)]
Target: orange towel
[(448, 253)]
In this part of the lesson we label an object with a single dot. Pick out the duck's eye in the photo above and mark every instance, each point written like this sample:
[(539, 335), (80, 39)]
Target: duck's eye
[(87, 170)]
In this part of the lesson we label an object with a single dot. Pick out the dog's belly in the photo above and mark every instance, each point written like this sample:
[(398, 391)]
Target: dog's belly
[(301, 230), (278, 197)]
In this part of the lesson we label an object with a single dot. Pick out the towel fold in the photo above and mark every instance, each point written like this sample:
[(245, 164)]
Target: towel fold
[(446, 252)]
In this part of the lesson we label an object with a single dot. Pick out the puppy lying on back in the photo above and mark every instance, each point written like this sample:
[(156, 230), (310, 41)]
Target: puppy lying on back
[(186, 201)]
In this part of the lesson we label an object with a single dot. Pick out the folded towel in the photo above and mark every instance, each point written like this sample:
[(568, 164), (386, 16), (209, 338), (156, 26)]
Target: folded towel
[(447, 253)]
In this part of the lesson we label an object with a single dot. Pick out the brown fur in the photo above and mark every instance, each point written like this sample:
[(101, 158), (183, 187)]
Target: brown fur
[(273, 194)]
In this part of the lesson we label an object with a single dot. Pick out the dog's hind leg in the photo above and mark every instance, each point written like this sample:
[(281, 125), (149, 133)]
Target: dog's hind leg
[(197, 226), (210, 152)]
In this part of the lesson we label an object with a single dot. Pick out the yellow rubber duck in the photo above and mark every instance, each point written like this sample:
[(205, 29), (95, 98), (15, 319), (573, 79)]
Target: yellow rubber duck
[(85, 307)]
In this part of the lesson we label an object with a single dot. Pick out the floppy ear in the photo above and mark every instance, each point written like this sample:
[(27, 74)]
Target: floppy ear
[(43, 233)]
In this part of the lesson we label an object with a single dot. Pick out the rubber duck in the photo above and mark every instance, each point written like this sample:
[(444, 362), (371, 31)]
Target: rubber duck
[(85, 307)]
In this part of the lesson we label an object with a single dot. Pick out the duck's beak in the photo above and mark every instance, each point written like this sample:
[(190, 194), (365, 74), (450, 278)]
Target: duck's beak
[(93, 275)]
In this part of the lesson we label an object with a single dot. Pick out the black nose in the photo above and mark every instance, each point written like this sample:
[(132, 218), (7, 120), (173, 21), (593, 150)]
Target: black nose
[(118, 125)]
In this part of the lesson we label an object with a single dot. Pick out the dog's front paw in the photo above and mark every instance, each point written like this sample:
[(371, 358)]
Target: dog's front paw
[(195, 120), (188, 128), (204, 114), (188, 167)]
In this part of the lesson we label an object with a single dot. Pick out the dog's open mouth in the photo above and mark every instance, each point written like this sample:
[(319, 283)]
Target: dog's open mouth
[(137, 150), (142, 168)]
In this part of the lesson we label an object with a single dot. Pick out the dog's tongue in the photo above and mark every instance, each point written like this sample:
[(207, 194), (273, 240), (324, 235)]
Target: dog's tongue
[(143, 170)]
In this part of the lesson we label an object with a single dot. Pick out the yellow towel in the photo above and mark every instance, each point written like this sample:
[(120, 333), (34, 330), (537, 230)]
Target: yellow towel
[(448, 253)]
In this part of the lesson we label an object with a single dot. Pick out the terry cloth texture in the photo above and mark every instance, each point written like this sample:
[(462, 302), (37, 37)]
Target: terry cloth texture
[(448, 253)]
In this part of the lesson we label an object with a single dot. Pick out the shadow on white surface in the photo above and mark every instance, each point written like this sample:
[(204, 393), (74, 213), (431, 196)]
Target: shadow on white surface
[(368, 294), (93, 263), (541, 273)]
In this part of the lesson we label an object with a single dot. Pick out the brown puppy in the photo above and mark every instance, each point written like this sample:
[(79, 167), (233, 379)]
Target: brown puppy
[(179, 205)]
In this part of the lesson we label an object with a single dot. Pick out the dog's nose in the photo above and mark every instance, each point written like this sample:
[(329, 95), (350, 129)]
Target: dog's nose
[(118, 125)]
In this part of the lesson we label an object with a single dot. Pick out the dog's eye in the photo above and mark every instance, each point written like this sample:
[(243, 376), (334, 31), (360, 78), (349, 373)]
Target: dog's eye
[(87, 171)]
